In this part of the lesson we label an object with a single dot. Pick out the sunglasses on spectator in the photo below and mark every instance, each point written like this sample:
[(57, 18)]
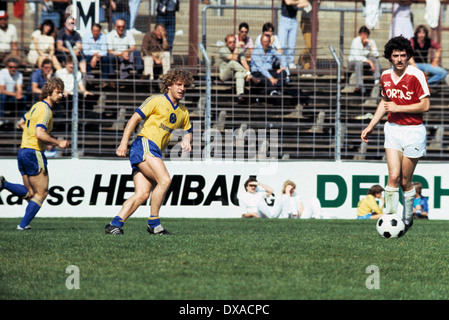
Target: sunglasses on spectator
[(252, 185), (243, 31), (12, 67)]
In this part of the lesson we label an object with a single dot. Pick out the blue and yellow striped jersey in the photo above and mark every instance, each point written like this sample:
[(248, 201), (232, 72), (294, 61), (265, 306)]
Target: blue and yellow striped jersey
[(161, 118), (40, 115)]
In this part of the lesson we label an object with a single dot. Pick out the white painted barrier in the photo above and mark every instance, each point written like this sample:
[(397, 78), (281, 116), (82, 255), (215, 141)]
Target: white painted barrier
[(209, 188)]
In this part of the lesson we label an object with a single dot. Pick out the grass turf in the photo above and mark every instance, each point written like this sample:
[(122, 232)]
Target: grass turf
[(222, 259)]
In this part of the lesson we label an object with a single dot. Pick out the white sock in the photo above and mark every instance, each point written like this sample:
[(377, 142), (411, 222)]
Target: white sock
[(409, 198), (391, 199)]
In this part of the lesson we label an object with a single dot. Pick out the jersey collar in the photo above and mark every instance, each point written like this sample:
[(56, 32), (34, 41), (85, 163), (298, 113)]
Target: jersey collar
[(47, 104), (171, 102)]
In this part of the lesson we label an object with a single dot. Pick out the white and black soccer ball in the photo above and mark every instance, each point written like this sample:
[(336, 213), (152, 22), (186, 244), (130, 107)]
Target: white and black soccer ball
[(390, 225)]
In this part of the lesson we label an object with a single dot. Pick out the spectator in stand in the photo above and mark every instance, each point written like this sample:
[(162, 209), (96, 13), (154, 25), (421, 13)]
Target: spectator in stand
[(86, 99), (42, 45), (288, 28), (305, 57), (233, 64), (364, 51), (244, 41), (8, 39), (422, 44), (133, 13), (120, 10), (54, 10), (155, 50), (420, 205), (262, 61), (95, 49), (122, 46), (166, 14), (74, 38), (38, 79), (11, 88)]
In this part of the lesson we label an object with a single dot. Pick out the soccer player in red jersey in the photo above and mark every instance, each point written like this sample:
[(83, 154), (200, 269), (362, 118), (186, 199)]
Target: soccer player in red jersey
[(405, 96)]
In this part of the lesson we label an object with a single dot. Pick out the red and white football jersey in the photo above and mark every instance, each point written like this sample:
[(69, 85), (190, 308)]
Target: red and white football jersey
[(411, 88)]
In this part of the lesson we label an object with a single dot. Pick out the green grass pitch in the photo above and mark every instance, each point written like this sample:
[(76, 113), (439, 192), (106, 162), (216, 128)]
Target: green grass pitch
[(222, 259)]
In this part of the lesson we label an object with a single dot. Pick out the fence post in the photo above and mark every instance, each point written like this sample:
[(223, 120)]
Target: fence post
[(207, 119), (75, 102), (337, 114)]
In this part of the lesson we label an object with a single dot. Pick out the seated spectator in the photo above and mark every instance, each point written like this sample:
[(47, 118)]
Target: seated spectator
[(42, 45), (233, 64), (155, 50), (11, 89), (122, 46), (120, 10), (95, 50), (68, 33), (364, 51), (420, 204), (368, 208), (86, 99), (244, 41), (293, 206), (252, 202), (422, 44), (38, 78), (262, 61), (54, 10), (8, 39)]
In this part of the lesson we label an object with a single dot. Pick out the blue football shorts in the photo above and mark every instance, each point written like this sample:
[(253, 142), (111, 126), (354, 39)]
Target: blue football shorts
[(31, 162), (139, 150)]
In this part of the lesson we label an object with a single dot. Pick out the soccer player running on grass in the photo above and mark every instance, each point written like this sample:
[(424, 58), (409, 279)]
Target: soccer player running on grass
[(36, 125), (405, 96), (162, 114)]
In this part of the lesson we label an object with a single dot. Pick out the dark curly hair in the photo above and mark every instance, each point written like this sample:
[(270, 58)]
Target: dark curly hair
[(398, 43), (50, 86), (174, 75)]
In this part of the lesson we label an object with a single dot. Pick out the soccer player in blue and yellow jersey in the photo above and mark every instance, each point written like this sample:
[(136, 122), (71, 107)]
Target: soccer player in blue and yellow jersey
[(36, 125), (162, 114)]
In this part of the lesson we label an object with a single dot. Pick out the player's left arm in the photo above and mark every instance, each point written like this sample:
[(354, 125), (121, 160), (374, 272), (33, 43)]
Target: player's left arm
[(420, 107)]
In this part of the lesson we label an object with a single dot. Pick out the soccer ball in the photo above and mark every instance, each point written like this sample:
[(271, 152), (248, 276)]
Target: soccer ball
[(390, 225)]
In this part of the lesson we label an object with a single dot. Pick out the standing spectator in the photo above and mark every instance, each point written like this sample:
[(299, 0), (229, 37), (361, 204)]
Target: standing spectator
[(233, 64), (244, 41), (262, 61), (120, 10), (133, 13), (364, 51), (288, 28), (155, 50), (42, 45), (11, 88), (122, 46), (39, 78), (305, 56), (95, 49), (68, 33), (402, 20), (422, 44), (166, 14), (8, 39)]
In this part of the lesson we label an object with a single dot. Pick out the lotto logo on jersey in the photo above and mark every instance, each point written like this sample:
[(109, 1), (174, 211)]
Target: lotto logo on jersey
[(399, 94), (173, 118)]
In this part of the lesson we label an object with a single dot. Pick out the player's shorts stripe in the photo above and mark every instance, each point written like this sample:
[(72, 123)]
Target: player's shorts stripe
[(40, 161)]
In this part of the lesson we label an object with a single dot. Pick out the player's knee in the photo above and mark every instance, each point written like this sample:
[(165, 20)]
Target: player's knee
[(143, 196), (165, 182)]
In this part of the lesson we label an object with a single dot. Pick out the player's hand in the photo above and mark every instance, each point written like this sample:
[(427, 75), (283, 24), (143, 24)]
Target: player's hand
[(63, 144), (121, 150), (390, 106), (365, 133), (186, 146)]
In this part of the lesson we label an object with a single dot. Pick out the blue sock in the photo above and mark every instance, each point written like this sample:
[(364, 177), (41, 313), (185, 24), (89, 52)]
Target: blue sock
[(154, 221), (17, 189), (32, 208), (118, 222)]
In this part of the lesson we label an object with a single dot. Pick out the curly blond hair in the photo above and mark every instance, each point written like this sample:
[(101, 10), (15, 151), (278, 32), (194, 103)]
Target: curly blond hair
[(50, 86), (174, 75), (288, 183)]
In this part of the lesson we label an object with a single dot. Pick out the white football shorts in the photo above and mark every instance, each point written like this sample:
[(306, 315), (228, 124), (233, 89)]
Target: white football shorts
[(410, 140)]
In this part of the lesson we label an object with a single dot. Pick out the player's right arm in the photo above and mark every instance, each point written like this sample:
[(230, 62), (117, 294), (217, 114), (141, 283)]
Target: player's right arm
[(378, 115), (43, 136), (129, 129)]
